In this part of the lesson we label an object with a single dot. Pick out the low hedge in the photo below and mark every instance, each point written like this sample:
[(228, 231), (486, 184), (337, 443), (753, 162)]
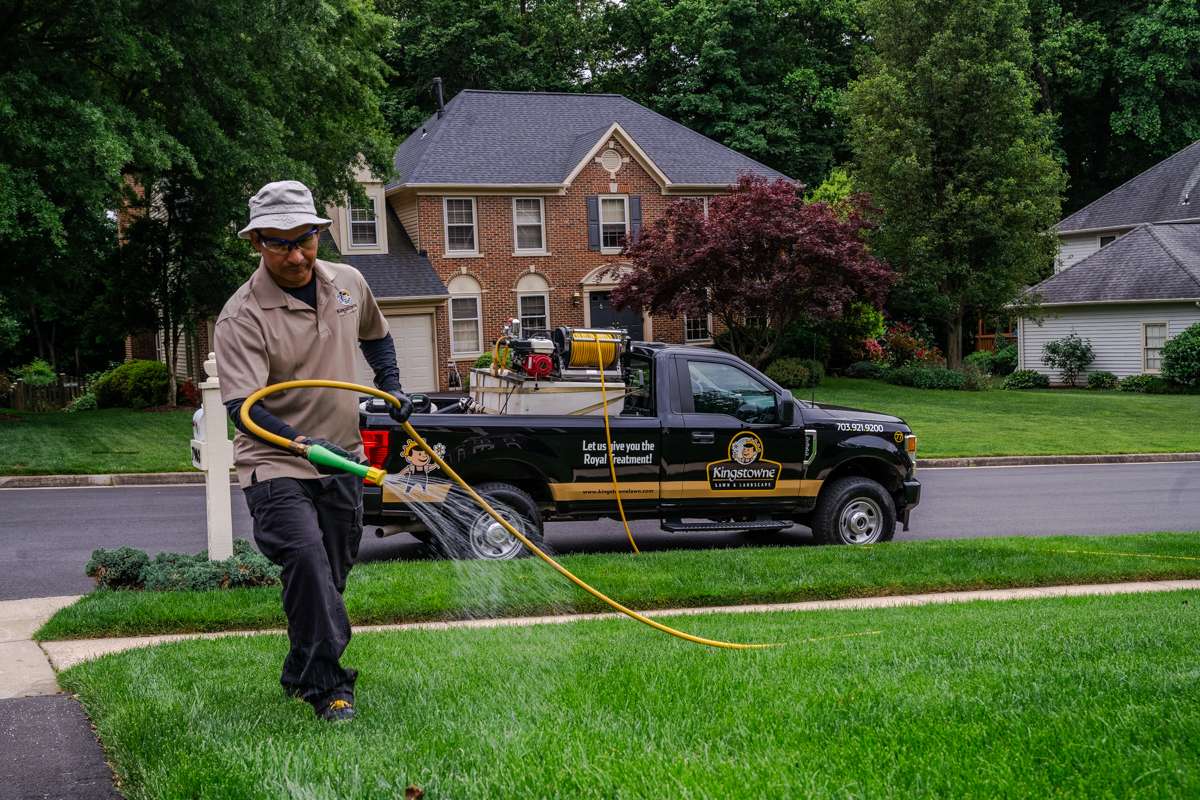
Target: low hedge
[(866, 369), (135, 384), (1027, 379), (130, 568), (921, 377), (1102, 380), (796, 373)]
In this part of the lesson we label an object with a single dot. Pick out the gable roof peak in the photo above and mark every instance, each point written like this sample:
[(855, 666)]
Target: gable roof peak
[(1161, 193)]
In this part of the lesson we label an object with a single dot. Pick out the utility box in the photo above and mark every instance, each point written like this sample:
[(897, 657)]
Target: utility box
[(513, 393)]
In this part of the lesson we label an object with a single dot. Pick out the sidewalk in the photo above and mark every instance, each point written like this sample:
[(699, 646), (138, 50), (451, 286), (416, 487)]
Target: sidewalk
[(175, 478)]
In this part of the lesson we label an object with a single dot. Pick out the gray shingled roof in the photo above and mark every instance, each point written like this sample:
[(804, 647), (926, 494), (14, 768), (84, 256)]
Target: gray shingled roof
[(1157, 195), (401, 272), (539, 137), (1151, 262)]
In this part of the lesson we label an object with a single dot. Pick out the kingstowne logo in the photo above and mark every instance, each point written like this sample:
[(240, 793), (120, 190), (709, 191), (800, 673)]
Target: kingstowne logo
[(745, 470)]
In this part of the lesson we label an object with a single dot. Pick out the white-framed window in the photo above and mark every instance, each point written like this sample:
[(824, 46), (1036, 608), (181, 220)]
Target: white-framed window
[(466, 315), (697, 329), (1154, 336), (529, 225), (533, 302), (364, 225), (461, 231), (614, 223)]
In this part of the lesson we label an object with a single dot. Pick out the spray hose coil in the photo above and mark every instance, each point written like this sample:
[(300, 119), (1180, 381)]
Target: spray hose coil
[(320, 455)]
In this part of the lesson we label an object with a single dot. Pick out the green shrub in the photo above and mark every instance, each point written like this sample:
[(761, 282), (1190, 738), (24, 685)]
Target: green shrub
[(975, 379), (1004, 360), (922, 377), (85, 402), (120, 568), (1139, 383), (1026, 379), (180, 572), (1181, 357), (1069, 355), (1102, 380), (36, 373), (484, 360), (134, 384), (795, 373), (866, 369), (981, 360)]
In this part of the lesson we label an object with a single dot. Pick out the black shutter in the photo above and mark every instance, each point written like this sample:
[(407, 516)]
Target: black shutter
[(593, 222), (635, 217)]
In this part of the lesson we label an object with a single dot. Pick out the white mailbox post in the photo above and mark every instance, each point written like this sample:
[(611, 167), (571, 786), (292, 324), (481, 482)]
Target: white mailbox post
[(213, 452)]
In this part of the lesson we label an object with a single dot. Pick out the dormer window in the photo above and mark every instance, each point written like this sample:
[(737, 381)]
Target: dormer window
[(364, 227)]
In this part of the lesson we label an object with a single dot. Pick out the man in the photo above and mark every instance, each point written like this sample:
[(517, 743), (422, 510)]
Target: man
[(299, 317)]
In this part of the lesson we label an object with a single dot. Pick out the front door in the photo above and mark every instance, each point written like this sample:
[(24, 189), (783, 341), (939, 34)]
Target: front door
[(605, 316), (740, 460)]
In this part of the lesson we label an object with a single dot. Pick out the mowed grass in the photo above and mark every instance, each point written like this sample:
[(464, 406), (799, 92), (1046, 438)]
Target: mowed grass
[(94, 442), (384, 592), (1080, 697), (1045, 422)]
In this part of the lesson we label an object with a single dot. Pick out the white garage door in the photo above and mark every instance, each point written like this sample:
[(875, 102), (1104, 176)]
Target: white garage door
[(413, 335)]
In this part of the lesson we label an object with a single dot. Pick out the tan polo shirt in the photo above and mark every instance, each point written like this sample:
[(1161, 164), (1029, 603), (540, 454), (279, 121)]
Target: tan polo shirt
[(264, 336)]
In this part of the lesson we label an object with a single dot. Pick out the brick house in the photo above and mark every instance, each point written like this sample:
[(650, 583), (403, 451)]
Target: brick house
[(517, 205)]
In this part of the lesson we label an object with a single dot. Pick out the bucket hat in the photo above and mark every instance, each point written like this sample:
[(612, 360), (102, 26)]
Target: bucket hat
[(282, 205)]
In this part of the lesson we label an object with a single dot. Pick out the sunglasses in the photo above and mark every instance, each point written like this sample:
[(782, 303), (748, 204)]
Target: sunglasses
[(282, 247)]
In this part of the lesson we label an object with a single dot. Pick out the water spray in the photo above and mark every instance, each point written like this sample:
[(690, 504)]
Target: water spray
[(322, 456)]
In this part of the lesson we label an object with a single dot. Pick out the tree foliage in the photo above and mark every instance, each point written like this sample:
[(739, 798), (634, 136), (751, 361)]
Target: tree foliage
[(947, 142), (197, 105), (761, 260)]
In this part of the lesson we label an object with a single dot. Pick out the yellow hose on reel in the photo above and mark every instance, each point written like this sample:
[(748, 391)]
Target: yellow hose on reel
[(377, 476), (593, 349)]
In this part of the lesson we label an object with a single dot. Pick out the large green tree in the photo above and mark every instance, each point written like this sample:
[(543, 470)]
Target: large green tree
[(948, 144), (764, 77), (177, 113), (1123, 81)]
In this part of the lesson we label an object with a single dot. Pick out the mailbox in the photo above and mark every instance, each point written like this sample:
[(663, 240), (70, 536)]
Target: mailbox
[(198, 447)]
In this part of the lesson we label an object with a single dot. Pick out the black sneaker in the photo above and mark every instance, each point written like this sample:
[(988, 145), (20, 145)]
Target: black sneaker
[(336, 711)]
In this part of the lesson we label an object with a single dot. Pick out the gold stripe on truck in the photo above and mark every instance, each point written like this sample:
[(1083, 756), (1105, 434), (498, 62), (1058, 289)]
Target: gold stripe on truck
[(676, 490)]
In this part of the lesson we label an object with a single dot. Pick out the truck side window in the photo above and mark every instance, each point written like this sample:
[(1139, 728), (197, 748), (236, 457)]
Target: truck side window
[(725, 389), (639, 388)]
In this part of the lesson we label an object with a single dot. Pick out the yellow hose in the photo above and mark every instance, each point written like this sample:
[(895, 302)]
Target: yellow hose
[(300, 449), (612, 466)]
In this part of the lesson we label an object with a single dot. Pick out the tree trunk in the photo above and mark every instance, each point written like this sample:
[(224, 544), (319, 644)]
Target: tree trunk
[(954, 354)]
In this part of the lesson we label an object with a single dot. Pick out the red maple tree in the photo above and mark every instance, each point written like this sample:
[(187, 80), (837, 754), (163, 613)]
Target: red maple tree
[(761, 260)]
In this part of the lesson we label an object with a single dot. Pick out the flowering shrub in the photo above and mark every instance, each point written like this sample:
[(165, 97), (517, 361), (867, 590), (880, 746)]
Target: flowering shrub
[(874, 351), (904, 346)]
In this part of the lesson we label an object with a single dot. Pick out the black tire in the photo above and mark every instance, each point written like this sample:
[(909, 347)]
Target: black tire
[(477, 535), (854, 511)]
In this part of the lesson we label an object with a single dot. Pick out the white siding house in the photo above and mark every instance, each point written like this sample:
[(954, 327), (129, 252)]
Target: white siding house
[(1127, 275)]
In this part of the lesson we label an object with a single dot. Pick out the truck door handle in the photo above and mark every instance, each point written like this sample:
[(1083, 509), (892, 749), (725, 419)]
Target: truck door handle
[(703, 437)]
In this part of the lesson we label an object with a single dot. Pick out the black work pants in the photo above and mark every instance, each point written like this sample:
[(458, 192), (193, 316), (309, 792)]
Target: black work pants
[(312, 529)]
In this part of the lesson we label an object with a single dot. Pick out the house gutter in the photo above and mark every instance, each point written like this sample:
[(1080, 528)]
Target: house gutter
[(1126, 226)]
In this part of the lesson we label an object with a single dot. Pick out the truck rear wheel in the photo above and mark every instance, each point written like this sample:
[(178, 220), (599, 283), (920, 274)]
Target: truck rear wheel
[(478, 536), (854, 510)]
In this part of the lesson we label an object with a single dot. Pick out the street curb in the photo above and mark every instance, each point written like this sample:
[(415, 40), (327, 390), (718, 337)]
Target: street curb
[(1050, 461), (167, 478)]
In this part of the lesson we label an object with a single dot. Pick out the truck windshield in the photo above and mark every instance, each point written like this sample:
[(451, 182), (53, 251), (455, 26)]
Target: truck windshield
[(725, 389)]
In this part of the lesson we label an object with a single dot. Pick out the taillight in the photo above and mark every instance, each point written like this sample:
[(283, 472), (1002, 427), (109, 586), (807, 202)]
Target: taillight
[(376, 444)]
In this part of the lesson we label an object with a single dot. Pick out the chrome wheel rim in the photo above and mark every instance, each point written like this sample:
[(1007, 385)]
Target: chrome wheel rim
[(489, 540), (861, 521)]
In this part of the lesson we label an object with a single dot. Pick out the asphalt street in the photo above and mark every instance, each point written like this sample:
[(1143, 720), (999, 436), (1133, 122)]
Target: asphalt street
[(46, 535)]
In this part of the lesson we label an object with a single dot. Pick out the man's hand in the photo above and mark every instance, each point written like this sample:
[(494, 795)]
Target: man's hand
[(333, 448), (402, 412)]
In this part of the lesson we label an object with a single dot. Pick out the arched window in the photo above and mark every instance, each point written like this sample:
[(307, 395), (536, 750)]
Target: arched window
[(466, 315), (533, 302)]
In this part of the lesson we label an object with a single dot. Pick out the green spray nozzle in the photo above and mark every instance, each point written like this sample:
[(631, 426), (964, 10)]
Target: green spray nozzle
[(323, 456)]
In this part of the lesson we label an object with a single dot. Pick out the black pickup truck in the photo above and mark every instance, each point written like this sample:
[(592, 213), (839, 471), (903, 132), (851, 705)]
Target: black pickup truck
[(704, 442)]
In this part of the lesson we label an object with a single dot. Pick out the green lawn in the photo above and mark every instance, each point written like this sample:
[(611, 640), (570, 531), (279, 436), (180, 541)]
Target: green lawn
[(1080, 697), (405, 591), (100, 442), (1046, 422)]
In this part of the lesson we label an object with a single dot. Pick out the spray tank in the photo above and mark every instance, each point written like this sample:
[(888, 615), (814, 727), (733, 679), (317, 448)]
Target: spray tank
[(552, 372)]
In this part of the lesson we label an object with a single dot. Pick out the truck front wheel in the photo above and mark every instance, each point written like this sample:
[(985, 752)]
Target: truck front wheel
[(478, 536), (854, 510)]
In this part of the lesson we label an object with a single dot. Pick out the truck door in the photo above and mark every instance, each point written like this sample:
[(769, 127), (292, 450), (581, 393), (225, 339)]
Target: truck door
[(740, 459)]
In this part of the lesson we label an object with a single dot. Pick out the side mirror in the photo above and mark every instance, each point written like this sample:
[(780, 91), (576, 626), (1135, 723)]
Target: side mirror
[(787, 411)]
